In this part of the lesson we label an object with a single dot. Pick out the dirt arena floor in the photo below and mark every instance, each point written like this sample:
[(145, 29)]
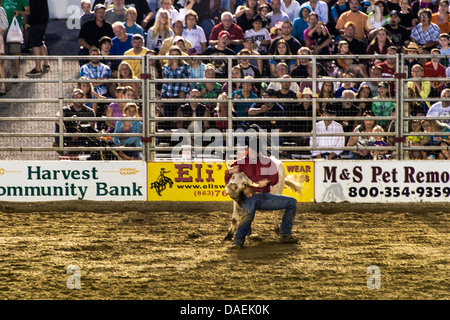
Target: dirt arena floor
[(174, 251)]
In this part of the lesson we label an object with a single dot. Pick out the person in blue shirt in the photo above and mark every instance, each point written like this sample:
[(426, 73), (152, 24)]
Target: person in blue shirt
[(244, 93), (301, 24)]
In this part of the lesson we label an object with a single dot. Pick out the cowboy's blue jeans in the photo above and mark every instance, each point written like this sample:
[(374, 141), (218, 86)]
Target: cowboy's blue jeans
[(266, 201)]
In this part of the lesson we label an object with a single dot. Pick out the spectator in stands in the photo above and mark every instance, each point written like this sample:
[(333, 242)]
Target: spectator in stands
[(408, 19), (129, 126), (300, 24), (87, 14), (348, 109), (366, 127), (380, 43), (441, 108), (246, 66), (236, 73), (360, 19), (244, 93), (425, 34), (89, 93), (355, 45), (336, 10), (244, 14), (276, 15), (398, 34), (364, 92), (115, 109), (380, 15), (137, 42), (444, 141), (125, 72), (18, 9), (379, 142), (319, 7), (193, 109), (79, 110), (205, 18), (160, 31), (174, 69), (227, 24), (197, 68), (3, 27), (92, 31), (209, 90), (444, 40), (270, 110), (388, 68), (350, 64), (120, 43), (167, 43), (221, 111), (130, 22), (282, 72), (286, 34), (221, 48), (263, 11), (291, 8), (174, 14), (97, 71), (421, 88), (338, 141), (326, 92), (433, 69), (282, 49), (105, 45), (116, 13), (411, 49), (258, 63), (194, 33), (301, 70), (383, 108), (423, 4), (260, 35), (416, 127), (144, 13), (345, 85), (442, 17)]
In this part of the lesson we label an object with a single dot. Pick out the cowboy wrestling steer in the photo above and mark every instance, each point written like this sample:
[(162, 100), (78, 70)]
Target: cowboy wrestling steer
[(240, 186)]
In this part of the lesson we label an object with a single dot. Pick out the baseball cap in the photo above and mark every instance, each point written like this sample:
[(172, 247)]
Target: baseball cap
[(77, 92), (350, 23), (177, 38), (99, 6), (224, 33), (395, 13)]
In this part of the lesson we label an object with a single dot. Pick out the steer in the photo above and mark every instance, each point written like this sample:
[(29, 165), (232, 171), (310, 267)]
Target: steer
[(239, 185)]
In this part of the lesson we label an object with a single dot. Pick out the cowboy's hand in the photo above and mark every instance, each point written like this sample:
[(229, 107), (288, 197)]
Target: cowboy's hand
[(263, 183)]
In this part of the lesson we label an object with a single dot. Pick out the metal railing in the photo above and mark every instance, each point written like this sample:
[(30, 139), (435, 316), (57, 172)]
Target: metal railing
[(152, 135)]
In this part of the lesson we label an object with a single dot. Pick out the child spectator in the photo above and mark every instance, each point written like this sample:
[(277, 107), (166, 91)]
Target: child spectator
[(444, 39), (350, 64), (433, 69), (383, 108), (379, 142), (260, 35), (87, 13), (416, 127)]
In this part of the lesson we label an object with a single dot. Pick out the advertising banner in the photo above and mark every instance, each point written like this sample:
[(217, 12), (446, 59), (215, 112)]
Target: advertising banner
[(205, 181), (382, 181), (72, 180)]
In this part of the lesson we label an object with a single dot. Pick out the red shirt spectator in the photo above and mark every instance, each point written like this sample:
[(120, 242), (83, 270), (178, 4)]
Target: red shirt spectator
[(227, 24)]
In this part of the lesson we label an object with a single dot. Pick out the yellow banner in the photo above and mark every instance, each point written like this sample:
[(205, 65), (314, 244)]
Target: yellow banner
[(301, 173), (205, 181)]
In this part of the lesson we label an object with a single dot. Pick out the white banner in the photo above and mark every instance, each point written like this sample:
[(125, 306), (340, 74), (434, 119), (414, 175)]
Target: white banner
[(73, 180), (382, 181)]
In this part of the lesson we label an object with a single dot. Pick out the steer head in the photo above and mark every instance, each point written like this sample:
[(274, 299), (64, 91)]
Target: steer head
[(239, 186)]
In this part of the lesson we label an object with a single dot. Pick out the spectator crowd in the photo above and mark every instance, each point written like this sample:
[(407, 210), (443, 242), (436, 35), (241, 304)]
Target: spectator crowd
[(278, 29)]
